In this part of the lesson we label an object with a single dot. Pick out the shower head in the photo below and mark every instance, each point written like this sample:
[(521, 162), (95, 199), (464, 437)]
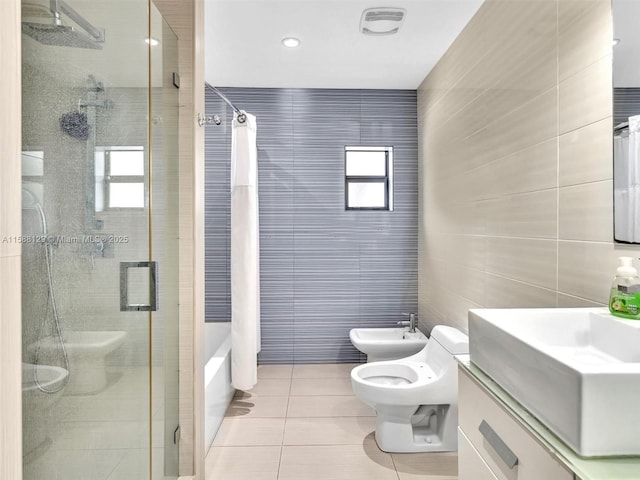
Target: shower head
[(59, 35)]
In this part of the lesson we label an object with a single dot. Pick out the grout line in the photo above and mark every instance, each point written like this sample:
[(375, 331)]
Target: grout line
[(286, 411), (286, 416), (279, 462), (557, 286), (393, 462)]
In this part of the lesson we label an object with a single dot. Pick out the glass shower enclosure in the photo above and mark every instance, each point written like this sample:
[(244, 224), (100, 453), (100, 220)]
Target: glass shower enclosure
[(99, 241)]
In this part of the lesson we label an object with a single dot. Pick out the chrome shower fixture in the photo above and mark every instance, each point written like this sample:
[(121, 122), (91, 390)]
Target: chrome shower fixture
[(208, 119), (241, 117), (57, 34), (30, 201)]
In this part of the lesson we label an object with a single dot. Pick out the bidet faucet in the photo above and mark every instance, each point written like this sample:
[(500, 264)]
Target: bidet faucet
[(412, 322)]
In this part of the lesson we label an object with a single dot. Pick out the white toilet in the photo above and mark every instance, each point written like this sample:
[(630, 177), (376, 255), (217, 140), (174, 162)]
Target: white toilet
[(415, 398)]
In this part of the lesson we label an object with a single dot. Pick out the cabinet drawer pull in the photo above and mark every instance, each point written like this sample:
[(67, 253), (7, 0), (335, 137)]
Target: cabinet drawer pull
[(498, 445)]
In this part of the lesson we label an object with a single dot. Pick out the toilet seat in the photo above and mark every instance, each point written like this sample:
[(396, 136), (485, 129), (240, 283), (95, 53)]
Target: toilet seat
[(395, 373), (397, 382)]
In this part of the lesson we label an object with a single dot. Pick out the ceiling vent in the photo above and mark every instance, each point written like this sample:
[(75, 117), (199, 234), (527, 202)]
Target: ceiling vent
[(382, 20)]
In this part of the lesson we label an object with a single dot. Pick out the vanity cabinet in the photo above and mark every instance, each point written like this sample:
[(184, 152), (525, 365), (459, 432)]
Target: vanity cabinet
[(494, 445)]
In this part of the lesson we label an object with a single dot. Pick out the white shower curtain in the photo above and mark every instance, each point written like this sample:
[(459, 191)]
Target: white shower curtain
[(626, 181), (621, 187), (245, 255)]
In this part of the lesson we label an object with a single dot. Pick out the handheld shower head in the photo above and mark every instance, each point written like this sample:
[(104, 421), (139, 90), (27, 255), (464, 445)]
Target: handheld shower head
[(30, 201)]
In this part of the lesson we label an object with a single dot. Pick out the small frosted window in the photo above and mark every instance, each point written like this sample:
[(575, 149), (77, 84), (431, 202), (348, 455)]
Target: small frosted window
[(367, 195), (120, 177), (368, 178), (365, 164), (126, 162), (126, 195)]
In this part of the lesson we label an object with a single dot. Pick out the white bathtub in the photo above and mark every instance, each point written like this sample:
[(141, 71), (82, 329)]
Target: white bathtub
[(218, 391)]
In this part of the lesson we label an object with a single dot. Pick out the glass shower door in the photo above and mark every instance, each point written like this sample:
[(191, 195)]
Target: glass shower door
[(99, 275), (165, 204)]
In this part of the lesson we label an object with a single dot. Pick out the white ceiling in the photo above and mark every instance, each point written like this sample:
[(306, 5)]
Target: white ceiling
[(243, 49)]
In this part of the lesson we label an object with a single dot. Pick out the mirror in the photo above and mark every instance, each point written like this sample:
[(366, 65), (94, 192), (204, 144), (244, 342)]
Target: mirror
[(626, 120)]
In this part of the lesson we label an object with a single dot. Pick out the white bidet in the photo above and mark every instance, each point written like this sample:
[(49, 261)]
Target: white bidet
[(387, 343)]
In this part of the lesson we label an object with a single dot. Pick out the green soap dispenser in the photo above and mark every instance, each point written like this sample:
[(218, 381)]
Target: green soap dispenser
[(624, 300)]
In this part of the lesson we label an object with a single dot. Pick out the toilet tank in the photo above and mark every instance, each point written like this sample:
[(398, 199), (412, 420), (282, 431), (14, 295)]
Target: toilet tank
[(444, 343), (453, 340)]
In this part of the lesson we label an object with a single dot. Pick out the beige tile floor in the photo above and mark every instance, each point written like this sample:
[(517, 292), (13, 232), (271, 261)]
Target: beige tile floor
[(302, 422)]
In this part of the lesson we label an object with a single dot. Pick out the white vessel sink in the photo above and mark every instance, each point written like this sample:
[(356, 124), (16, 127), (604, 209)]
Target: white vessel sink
[(382, 344), (576, 369)]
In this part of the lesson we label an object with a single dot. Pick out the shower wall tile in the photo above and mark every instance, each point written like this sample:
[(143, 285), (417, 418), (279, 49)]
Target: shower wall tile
[(324, 270)]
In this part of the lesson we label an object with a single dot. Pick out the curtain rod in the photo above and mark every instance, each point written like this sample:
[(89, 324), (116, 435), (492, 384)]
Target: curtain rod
[(241, 116)]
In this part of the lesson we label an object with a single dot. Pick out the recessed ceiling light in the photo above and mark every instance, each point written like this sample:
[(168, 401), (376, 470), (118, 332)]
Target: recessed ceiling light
[(151, 41), (291, 42), (615, 42)]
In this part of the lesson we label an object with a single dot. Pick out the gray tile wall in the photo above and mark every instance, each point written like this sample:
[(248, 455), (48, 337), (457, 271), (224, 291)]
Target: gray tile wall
[(324, 270), (626, 103)]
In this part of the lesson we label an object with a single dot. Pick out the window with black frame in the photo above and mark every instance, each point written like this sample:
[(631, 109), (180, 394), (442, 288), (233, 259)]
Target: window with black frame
[(120, 178), (368, 178)]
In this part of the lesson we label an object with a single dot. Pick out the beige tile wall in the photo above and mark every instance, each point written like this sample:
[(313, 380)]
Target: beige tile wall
[(516, 163), (10, 265)]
